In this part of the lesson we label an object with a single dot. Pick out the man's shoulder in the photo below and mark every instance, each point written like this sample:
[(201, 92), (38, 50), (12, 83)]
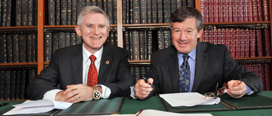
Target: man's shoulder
[(211, 47)]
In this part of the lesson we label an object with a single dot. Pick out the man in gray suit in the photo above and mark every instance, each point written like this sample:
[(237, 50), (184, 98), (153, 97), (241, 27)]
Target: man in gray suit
[(69, 67), (210, 66)]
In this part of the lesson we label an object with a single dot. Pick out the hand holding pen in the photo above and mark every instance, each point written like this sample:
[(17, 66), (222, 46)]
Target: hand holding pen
[(143, 88), (148, 82), (236, 88)]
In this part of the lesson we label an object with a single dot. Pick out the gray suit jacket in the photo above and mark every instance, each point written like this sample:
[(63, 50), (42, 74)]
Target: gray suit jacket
[(65, 68), (213, 65)]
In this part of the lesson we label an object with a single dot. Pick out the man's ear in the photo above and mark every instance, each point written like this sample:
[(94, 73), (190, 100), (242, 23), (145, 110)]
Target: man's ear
[(199, 34), (78, 31)]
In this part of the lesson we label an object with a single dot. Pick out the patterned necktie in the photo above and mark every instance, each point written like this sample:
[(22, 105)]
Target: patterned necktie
[(92, 74), (184, 75)]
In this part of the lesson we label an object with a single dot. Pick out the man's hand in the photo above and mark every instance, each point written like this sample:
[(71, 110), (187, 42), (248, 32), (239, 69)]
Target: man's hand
[(75, 93), (143, 89), (236, 88)]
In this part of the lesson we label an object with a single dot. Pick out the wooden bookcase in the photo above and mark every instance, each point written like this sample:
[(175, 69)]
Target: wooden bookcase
[(42, 4)]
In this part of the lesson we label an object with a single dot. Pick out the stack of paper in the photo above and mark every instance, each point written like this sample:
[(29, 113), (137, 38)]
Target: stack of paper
[(38, 106), (188, 99)]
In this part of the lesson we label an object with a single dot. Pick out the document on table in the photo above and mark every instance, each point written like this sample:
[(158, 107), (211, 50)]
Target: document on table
[(37, 106), (188, 99), (150, 112)]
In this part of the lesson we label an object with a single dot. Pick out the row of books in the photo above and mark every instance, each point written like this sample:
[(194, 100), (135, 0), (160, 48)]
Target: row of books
[(57, 40), (263, 71), (18, 47), (13, 82), (18, 12), (64, 12), (138, 72), (241, 42), (235, 10), (151, 11), (141, 43)]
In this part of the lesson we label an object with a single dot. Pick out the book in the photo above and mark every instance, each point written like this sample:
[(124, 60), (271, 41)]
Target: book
[(34, 47), (22, 47), (18, 83), (99, 107), (15, 48), (9, 48), (267, 46), (58, 12), (12, 84), (69, 12), (143, 11), (51, 12), (22, 84), (2, 84), (24, 13), (166, 11), (63, 13), (74, 12), (160, 11), (7, 85), (30, 12), (47, 46), (18, 13), (154, 11), (29, 48)]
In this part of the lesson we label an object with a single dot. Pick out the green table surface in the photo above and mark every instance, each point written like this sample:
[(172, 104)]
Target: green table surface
[(131, 106)]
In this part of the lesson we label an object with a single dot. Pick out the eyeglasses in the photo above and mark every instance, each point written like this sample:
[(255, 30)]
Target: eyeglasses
[(220, 91)]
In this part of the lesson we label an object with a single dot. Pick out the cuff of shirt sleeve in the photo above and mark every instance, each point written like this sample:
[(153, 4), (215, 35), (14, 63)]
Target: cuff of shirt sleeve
[(50, 95), (132, 93), (105, 91), (249, 91)]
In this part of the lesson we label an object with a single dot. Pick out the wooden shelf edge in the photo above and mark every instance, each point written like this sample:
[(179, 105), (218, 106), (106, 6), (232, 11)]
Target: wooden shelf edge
[(19, 64), (69, 26), (226, 23), (253, 58), (19, 27)]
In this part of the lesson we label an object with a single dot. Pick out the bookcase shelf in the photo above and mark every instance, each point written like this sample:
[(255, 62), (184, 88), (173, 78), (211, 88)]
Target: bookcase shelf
[(19, 64)]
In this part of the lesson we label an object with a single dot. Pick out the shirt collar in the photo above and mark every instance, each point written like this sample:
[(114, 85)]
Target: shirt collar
[(87, 54), (192, 54)]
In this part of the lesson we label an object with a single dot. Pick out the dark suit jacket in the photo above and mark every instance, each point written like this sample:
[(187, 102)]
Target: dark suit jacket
[(65, 68), (213, 65)]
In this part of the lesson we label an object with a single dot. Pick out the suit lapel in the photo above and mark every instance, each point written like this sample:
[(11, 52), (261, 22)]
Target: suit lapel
[(77, 64), (201, 64), (173, 68), (105, 63)]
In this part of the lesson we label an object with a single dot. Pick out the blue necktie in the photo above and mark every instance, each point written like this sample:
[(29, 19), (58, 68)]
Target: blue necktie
[(184, 75)]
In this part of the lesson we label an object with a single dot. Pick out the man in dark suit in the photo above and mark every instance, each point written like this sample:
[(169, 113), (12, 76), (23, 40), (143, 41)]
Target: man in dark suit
[(210, 66), (82, 78)]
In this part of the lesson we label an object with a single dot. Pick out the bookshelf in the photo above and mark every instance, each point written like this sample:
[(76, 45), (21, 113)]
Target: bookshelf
[(120, 27)]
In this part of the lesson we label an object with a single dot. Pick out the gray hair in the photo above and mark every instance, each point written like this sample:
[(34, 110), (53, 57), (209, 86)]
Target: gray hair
[(91, 9)]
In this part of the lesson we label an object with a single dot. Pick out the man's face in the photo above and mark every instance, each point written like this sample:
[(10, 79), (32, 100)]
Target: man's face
[(93, 30), (184, 35)]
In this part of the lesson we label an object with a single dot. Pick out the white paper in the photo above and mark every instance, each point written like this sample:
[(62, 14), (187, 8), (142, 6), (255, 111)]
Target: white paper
[(37, 106), (150, 112), (188, 99)]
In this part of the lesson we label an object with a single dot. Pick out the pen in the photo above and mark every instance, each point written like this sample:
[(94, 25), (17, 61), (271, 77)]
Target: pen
[(148, 82), (139, 112), (3, 104)]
